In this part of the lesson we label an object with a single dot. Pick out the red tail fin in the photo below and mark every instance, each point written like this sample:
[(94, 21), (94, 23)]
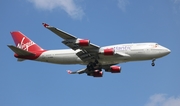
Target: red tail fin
[(24, 42)]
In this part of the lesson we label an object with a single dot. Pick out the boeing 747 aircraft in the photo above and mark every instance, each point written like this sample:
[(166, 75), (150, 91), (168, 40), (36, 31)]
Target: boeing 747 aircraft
[(83, 52)]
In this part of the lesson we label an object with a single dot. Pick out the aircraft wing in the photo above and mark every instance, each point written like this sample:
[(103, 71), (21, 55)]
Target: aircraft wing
[(88, 50), (77, 72), (68, 38), (58, 32)]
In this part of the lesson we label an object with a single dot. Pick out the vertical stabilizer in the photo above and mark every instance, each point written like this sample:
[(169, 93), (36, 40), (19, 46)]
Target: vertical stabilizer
[(24, 42)]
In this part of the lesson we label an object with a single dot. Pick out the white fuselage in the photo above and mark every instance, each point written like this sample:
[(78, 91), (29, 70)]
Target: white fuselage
[(134, 52)]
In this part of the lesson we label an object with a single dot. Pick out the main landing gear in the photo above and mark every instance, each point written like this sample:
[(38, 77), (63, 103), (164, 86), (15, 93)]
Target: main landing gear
[(94, 69), (93, 66), (153, 64)]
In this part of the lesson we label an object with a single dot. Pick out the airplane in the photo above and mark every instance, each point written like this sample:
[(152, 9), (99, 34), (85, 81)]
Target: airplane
[(84, 52)]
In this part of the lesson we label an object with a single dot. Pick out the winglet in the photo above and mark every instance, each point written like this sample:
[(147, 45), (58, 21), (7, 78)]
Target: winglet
[(69, 71), (45, 25)]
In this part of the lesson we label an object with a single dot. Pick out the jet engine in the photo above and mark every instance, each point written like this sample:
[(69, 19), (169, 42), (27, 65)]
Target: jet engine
[(97, 74), (108, 51), (113, 69), (83, 42)]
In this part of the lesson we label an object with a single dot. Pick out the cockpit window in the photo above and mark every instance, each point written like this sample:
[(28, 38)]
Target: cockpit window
[(156, 45)]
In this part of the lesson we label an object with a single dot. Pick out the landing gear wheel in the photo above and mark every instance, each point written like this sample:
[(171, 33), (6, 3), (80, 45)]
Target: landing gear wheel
[(96, 61), (90, 68), (153, 64)]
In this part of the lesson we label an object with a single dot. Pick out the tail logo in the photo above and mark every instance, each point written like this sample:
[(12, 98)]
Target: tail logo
[(25, 46)]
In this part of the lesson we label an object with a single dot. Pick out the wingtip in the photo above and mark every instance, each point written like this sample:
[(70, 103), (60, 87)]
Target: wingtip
[(69, 71), (45, 25), (9, 45)]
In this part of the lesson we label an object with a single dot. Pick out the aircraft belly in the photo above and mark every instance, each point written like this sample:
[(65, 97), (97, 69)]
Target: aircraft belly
[(112, 59), (70, 58), (133, 56), (143, 56)]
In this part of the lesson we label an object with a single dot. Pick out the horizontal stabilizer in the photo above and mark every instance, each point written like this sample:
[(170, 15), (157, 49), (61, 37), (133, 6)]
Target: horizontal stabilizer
[(19, 51)]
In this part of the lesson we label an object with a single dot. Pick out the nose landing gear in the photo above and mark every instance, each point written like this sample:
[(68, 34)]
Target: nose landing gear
[(153, 64)]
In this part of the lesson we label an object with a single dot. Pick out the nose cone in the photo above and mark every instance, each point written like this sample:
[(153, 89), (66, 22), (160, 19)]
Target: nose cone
[(161, 51), (166, 51)]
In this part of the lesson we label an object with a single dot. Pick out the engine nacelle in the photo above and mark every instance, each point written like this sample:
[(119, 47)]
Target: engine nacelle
[(115, 69), (97, 74), (109, 51), (82, 42)]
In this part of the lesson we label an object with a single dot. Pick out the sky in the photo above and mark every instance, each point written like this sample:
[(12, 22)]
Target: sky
[(103, 22)]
